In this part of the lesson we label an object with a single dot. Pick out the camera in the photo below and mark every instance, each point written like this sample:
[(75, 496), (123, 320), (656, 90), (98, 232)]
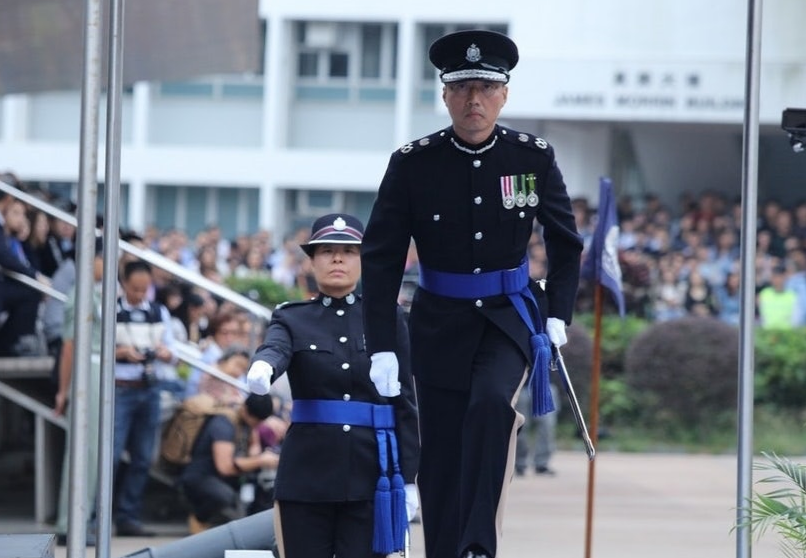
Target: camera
[(149, 372), (793, 122)]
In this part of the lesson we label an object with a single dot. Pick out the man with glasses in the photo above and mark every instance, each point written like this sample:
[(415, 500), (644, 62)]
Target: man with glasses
[(480, 329)]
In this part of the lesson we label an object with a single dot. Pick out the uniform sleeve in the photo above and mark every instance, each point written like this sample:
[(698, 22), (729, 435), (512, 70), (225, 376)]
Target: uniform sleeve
[(276, 348), (383, 258), (563, 244), (406, 417)]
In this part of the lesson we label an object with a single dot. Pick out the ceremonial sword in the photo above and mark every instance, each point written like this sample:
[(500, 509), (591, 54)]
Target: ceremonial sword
[(557, 363)]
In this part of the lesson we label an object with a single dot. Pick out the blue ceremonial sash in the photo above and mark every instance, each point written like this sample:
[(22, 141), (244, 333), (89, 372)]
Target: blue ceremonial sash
[(391, 522), (515, 284)]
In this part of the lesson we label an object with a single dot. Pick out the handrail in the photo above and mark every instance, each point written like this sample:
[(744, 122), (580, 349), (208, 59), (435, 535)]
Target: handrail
[(150, 256), (38, 285), (28, 402), (183, 351)]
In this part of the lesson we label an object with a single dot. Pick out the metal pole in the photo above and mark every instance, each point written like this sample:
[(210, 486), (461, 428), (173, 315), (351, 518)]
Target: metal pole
[(106, 463), (748, 274), (85, 247)]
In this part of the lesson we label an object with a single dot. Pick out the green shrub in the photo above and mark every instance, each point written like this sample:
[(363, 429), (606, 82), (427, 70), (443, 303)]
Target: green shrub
[(684, 374), (617, 334), (267, 292), (780, 367)]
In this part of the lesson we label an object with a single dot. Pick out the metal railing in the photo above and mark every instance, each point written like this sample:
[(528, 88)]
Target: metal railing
[(150, 256)]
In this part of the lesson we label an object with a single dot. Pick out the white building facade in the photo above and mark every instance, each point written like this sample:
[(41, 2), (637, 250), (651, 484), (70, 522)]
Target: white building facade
[(649, 93)]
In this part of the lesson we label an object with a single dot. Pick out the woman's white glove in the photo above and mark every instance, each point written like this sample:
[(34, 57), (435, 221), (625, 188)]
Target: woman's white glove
[(412, 501), (259, 377), (383, 373), (555, 329)]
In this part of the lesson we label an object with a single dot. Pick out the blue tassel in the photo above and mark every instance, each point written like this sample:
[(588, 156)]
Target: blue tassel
[(400, 521), (542, 401), (382, 541)]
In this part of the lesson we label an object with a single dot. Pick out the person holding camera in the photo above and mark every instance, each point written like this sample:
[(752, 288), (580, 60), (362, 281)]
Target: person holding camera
[(143, 337)]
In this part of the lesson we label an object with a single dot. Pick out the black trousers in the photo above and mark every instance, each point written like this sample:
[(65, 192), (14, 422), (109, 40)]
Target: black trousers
[(212, 499), (324, 530), (468, 447)]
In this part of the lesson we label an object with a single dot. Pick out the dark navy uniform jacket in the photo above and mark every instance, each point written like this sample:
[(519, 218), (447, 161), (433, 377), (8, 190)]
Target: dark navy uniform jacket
[(461, 205), (320, 345)]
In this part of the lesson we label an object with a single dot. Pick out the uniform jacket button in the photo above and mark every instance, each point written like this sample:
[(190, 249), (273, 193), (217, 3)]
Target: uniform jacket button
[(346, 427), (477, 200), (346, 396), (345, 366), (479, 303), (478, 236), (342, 339)]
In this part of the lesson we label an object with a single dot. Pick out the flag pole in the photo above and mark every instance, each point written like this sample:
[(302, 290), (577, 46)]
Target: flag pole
[(594, 410)]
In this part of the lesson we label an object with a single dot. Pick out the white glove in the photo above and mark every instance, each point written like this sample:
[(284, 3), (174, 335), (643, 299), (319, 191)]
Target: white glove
[(259, 377), (412, 501), (555, 328), (383, 373)]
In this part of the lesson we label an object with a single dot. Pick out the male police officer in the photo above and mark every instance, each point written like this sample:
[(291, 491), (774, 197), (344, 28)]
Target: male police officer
[(468, 195)]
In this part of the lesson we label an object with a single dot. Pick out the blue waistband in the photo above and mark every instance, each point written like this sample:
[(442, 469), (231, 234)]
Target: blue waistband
[(333, 411), (389, 524), (514, 283), (475, 285)]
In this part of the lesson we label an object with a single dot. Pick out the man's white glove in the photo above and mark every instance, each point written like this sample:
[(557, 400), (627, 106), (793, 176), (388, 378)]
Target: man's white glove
[(555, 329), (412, 501), (383, 373), (259, 377)]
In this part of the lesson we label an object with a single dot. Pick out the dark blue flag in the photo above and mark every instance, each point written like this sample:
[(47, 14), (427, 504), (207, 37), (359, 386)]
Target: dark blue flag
[(601, 263)]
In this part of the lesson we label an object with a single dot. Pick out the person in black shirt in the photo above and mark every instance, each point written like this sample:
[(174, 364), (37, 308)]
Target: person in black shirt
[(222, 455)]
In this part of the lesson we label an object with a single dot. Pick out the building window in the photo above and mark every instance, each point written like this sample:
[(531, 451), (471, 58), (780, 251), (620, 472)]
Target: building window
[(346, 62)]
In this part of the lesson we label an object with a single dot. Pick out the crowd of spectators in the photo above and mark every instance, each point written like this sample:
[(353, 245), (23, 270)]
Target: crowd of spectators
[(675, 261), (687, 262)]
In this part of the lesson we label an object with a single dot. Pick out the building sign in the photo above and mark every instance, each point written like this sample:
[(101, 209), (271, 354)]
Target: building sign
[(634, 91)]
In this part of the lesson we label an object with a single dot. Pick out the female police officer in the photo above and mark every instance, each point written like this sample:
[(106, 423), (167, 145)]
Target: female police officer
[(349, 451)]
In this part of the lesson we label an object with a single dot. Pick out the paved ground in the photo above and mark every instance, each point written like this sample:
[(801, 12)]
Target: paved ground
[(645, 505)]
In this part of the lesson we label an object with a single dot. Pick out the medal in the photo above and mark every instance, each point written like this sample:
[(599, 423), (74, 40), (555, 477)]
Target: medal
[(507, 193)]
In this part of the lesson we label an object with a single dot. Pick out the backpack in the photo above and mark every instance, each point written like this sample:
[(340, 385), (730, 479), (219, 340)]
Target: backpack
[(180, 432)]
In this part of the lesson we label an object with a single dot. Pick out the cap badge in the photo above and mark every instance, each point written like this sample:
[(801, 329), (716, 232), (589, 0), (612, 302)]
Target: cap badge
[(473, 53), (339, 224)]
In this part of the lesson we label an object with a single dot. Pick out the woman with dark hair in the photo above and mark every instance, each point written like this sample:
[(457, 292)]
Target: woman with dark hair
[(345, 483)]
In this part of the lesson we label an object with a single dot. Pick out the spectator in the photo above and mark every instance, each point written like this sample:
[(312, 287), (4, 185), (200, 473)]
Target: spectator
[(669, 296), (234, 362), (543, 429), (143, 335), (60, 242), (19, 301), (699, 299), (225, 331), (223, 460), (728, 299), (776, 304), (63, 394)]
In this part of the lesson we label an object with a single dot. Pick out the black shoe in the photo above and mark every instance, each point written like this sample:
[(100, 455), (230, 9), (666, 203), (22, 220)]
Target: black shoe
[(542, 470), (132, 529)]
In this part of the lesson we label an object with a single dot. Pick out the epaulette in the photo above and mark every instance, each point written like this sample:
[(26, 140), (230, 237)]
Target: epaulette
[(418, 145), (289, 303), (522, 138)]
